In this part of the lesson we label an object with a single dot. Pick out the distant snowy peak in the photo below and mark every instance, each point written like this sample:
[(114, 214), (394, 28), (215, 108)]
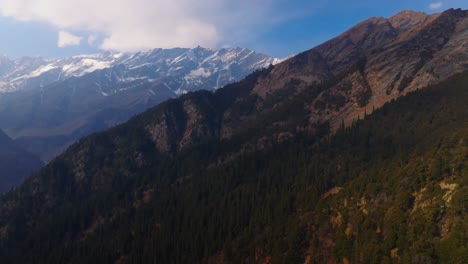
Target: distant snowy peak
[(30, 72), (188, 69), (199, 56), (83, 64), (199, 68)]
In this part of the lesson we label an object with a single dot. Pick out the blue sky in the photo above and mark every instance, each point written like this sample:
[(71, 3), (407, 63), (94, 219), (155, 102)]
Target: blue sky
[(57, 28)]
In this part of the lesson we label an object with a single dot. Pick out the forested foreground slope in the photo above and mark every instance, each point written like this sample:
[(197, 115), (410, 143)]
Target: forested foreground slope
[(389, 189)]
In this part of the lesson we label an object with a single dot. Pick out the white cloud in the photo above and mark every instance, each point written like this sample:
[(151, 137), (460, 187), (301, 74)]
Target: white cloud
[(67, 39), (92, 39), (435, 5), (131, 25)]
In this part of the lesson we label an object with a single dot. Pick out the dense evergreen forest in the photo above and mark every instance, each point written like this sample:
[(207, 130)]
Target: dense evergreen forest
[(391, 188)]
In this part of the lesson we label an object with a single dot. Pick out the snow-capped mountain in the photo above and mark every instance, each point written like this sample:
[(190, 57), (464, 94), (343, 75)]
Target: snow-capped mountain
[(30, 72), (190, 69), (47, 104), (194, 69)]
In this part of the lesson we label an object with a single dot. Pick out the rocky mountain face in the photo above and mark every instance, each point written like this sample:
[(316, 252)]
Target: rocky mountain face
[(16, 164), (45, 105), (376, 61), (276, 168)]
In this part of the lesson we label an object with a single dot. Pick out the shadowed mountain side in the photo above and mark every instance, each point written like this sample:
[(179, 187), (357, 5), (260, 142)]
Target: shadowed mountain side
[(15, 163)]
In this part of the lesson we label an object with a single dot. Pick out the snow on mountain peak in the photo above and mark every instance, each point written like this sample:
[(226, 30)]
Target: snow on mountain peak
[(191, 69)]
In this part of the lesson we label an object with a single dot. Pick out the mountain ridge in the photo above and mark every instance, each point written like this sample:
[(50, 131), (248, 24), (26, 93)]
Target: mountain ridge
[(388, 69)]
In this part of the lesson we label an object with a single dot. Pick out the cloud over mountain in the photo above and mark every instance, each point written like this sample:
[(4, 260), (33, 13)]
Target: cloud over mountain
[(436, 5), (67, 39), (115, 25)]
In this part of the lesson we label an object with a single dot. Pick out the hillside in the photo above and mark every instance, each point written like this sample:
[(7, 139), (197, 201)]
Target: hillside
[(16, 164), (389, 187), (377, 60)]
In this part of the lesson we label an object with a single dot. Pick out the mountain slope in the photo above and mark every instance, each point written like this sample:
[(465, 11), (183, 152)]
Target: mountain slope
[(361, 195), (15, 163), (391, 60), (52, 103)]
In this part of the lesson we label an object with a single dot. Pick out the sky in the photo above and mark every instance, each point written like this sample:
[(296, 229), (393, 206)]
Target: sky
[(60, 28)]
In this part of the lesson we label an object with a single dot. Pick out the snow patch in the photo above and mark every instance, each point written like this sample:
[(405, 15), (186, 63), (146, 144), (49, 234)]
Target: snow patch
[(85, 66), (200, 72), (42, 70)]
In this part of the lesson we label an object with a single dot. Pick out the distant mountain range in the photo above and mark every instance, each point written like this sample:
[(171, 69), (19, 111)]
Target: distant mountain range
[(47, 104), (191, 69)]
